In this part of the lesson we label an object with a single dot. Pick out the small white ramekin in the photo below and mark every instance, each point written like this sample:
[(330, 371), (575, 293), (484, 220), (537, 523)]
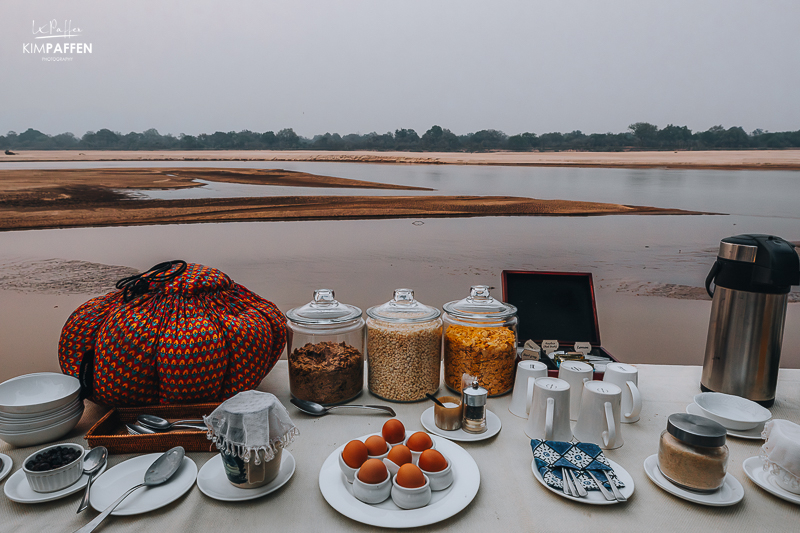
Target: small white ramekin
[(372, 492), (58, 478), (406, 498), (442, 479)]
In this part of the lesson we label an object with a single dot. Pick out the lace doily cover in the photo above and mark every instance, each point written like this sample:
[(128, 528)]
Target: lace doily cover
[(249, 423), (781, 452)]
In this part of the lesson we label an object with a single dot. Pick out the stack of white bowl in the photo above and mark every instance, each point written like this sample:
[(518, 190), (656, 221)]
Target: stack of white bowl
[(39, 408)]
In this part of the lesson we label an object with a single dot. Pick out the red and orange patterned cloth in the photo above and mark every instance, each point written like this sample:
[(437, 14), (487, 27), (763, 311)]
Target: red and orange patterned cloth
[(196, 338)]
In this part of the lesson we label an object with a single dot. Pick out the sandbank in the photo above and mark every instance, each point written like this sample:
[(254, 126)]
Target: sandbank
[(716, 159)]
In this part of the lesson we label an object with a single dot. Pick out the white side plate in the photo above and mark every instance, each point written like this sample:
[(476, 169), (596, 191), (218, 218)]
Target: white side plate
[(730, 493), (594, 497), (212, 481), (17, 488), (754, 468), (754, 434), (126, 475), (493, 426)]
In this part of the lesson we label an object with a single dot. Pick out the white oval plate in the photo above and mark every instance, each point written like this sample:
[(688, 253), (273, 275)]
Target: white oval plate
[(493, 426), (733, 412), (730, 493), (594, 497), (444, 504), (754, 434), (212, 481), (754, 468), (8, 463), (18, 489), (126, 475)]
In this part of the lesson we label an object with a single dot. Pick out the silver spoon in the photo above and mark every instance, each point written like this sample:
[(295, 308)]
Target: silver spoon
[(136, 429), (157, 473), (316, 409), (92, 464), (156, 423)]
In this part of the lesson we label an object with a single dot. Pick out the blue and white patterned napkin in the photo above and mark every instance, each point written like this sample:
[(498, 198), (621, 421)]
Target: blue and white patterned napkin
[(551, 456)]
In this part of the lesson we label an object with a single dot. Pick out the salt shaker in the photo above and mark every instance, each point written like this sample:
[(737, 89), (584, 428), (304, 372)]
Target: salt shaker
[(474, 400)]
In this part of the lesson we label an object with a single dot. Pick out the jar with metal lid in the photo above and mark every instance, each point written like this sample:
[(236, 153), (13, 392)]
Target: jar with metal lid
[(480, 339), (404, 345), (692, 452), (326, 350)]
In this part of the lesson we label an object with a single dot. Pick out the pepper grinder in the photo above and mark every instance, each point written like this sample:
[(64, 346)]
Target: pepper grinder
[(474, 400)]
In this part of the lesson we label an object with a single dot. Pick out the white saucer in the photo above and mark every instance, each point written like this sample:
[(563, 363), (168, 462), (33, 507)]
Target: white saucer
[(730, 493), (126, 475), (493, 426), (17, 488), (8, 463), (754, 468), (755, 433), (594, 497), (212, 481)]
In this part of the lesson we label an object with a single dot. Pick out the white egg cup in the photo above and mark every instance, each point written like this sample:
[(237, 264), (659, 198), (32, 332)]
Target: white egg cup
[(415, 455), (349, 473), (406, 498), (442, 479), (372, 493)]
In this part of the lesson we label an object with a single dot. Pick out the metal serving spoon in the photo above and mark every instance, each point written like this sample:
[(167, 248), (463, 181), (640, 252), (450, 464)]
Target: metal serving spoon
[(92, 464), (156, 423), (157, 473), (316, 409), (136, 429)]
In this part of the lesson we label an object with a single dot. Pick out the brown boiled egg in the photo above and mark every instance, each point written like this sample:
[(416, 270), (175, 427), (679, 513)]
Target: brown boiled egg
[(394, 431), (419, 441), (376, 445), (355, 453), (432, 461), (410, 476), (399, 455), (373, 471)]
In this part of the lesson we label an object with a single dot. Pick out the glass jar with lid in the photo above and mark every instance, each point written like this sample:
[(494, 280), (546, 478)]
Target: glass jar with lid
[(404, 345), (326, 350), (480, 339), (692, 452)]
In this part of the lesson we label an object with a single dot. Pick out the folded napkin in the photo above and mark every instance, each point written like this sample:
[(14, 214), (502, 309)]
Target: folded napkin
[(551, 456)]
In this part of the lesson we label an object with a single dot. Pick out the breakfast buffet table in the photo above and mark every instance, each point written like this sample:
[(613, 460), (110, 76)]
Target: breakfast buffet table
[(509, 497)]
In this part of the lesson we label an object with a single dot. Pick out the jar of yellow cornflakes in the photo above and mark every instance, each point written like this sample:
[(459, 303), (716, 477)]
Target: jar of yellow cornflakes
[(480, 339)]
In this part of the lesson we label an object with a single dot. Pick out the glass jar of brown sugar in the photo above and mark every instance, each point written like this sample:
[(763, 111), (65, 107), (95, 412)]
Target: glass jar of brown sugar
[(692, 452)]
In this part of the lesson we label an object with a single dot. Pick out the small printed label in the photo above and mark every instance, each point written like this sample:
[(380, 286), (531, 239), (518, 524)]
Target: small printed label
[(550, 346), (532, 346), (529, 355), (583, 347)]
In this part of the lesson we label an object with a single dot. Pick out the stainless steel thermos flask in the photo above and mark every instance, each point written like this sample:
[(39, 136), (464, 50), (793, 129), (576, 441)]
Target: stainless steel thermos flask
[(753, 275)]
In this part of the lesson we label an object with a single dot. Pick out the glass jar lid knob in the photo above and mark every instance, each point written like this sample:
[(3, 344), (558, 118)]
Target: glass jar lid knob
[(403, 296), (480, 293), (324, 297)]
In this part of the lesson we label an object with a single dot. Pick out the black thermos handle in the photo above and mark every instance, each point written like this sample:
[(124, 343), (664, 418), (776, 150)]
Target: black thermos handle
[(711, 276)]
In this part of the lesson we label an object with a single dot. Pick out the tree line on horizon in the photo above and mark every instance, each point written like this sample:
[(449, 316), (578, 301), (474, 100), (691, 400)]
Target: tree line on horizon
[(640, 136)]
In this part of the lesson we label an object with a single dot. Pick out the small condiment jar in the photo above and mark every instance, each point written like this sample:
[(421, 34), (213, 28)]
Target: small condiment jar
[(692, 452), (474, 401)]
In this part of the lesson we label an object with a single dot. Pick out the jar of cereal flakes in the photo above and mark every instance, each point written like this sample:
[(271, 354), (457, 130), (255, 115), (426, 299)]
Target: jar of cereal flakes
[(480, 339), (404, 348)]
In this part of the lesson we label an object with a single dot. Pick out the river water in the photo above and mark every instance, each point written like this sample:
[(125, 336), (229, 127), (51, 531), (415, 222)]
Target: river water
[(630, 257)]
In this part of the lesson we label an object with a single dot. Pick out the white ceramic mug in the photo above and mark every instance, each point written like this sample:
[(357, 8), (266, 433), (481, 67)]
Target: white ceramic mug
[(599, 419), (549, 412), (626, 377), (576, 373), (527, 372)]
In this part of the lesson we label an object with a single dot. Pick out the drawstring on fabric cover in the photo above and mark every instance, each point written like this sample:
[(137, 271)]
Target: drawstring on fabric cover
[(138, 285)]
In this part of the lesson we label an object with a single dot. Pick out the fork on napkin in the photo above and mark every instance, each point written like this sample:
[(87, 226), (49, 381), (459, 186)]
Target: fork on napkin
[(580, 457)]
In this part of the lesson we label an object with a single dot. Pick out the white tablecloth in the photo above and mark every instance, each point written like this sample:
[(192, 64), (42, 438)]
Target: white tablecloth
[(509, 499)]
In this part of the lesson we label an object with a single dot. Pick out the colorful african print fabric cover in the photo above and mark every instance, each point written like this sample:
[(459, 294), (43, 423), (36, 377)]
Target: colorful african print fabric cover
[(193, 338)]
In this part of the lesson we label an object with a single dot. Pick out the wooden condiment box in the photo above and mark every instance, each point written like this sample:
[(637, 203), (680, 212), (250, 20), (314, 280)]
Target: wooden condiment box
[(555, 306)]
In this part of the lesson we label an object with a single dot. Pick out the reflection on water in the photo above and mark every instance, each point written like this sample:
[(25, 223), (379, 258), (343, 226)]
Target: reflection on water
[(440, 258)]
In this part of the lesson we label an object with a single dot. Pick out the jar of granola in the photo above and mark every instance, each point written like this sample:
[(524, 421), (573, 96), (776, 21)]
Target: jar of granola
[(480, 339), (404, 345), (326, 350)]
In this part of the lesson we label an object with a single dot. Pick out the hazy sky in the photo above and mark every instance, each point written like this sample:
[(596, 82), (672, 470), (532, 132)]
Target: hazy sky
[(358, 66)]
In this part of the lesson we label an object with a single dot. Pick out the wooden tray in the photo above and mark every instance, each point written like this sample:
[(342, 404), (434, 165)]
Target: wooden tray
[(110, 431)]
